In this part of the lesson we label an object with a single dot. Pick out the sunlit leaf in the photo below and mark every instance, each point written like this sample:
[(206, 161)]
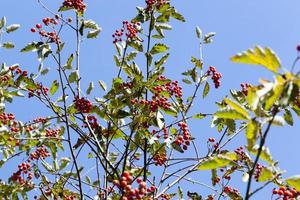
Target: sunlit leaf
[(259, 56)]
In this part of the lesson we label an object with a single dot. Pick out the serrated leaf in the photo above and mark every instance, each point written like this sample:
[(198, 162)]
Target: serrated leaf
[(294, 182), (12, 28), (265, 174), (180, 193), (54, 87), (90, 88), (64, 161), (159, 48), (230, 114), (288, 117), (93, 33), (69, 62), (252, 131), (238, 108), (265, 153), (187, 81), (259, 56), (90, 24), (218, 161), (102, 85), (8, 45), (136, 45), (73, 77), (161, 61), (205, 90), (30, 47), (199, 116)]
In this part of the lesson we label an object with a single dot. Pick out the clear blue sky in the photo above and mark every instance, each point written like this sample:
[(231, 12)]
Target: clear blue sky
[(238, 24)]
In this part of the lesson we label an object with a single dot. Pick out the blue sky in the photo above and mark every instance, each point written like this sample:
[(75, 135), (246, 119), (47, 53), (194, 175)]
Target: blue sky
[(239, 25)]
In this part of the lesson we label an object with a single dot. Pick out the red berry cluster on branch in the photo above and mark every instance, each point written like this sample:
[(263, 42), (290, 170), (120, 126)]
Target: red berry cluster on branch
[(92, 120), (160, 158), (82, 104), (78, 5), (285, 193), (257, 172), (38, 91), (26, 169), (152, 4), (23, 169), (52, 36), (129, 193), (130, 29), (245, 87), (215, 76), (185, 138), (231, 191), (52, 132)]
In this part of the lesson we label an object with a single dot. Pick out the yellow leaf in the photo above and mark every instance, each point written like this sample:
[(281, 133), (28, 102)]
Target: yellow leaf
[(259, 56)]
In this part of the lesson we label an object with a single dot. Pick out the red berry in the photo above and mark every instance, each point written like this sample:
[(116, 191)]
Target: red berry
[(298, 47), (39, 26), (33, 30)]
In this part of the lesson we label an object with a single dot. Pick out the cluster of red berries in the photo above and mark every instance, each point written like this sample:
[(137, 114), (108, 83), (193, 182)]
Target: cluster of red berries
[(52, 36), (286, 193), (185, 138), (245, 87), (14, 69), (23, 169), (38, 91), (129, 193), (160, 158), (257, 172), (130, 30), (216, 180), (231, 191), (241, 153), (216, 76), (78, 5), (52, 132), (83, 105), (29, 128), (165, 196), (40, 152), (92, 120), (152, 4), (9, 120), (40, 120)]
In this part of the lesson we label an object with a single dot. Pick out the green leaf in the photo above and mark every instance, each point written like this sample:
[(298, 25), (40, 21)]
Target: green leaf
[(230, 114), (136, 45), (265, 153), (159, 48), (208, 38), (90, 24), (264, 57), (64, 161), (93, 33), (12, 28), (276, 93), (102, 85), (288, 117), (8, 45), (73, 77), (199, 116), (2, 22), (294, 182), (205, 90), (30, 47), (252, 132), (187, 81), (218, 161), (90, 88), (238, 108), (161, 61), (54, 87), (69, 62), (266, 174), (180, 193)]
